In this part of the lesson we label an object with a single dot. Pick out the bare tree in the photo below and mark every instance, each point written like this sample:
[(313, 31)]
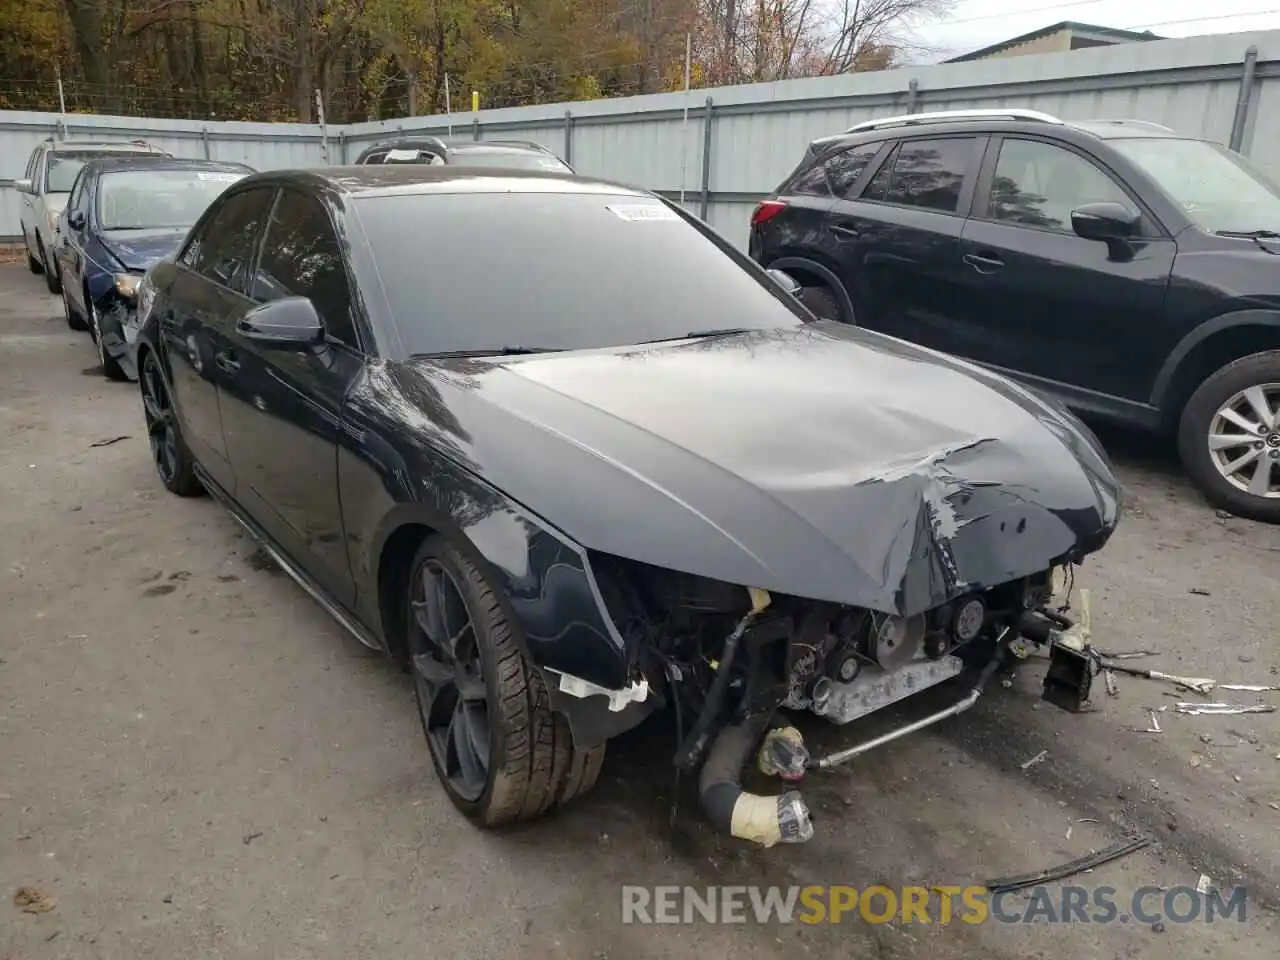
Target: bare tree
[(745, 41), (863, 30)]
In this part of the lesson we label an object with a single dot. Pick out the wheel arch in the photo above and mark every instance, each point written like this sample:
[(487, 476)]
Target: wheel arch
[(803, 267), (541, 579), (1211, 346), (556, 602)]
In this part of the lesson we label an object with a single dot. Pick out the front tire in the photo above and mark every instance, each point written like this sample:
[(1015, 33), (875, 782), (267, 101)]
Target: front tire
[(74, 320), (1229, 437), (111, 369), (500, 752), (32, 263), (169, 451)]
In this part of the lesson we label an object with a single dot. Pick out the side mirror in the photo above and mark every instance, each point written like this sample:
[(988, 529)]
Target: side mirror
[(75, 219), (786, 281), (1104, 221), (23, 185), (290, 322)]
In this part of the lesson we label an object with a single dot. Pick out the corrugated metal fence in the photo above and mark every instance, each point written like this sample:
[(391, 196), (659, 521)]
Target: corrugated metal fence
[(724, 147)]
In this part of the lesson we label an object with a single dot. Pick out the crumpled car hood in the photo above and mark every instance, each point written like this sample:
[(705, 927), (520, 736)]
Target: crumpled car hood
[(822, 461), (139, 249)]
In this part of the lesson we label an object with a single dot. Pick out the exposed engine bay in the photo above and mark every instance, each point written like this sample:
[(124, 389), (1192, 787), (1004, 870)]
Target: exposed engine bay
[(731, 658)]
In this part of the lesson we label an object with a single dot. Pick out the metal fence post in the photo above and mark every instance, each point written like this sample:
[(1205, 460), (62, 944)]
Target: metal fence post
[(324, 130), (342, 147), (475, 129), (913, 95), (707, 119), (1241, 119), (568, 137), (204, 141)]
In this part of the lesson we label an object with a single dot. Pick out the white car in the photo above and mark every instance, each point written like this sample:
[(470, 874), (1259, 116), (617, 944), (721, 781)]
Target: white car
[(44, 188)]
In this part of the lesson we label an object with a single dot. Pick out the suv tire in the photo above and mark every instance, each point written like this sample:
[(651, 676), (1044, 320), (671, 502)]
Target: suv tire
[(32, 263), (1201, 419), (822, 301)]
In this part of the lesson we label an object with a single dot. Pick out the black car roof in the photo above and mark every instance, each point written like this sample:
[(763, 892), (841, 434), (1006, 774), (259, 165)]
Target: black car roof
[(153, 162), (378, 179)]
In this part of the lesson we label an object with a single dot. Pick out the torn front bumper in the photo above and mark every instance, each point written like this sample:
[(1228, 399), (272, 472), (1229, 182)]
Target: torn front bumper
[(118, 326)]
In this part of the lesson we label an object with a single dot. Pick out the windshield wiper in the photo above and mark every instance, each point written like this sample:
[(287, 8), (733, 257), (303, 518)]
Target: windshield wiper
[(505, 351), (701, 334), (1250, 234)]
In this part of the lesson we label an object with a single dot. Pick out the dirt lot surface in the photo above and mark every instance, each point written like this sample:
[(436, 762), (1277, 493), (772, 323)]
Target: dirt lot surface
[(196, 762)]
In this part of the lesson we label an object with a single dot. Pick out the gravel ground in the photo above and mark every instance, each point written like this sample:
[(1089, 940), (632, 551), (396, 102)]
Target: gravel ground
[(197, 762)]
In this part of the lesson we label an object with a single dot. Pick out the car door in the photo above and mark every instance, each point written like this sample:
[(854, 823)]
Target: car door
[(898, 236), (73, 252), (28, 200), (1040, 300), (282, 406), (199, 306)]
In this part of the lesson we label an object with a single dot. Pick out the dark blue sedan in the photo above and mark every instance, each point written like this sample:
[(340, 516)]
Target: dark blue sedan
[(124, 215)]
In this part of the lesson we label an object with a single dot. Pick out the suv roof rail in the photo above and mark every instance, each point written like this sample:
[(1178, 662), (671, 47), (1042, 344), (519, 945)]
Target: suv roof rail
[(79, 142), (943, 116), (1140, 123)]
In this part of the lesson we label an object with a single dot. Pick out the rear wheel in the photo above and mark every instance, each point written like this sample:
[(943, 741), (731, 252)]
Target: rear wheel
[(32, 263), (497, 747), (51, 278), (823, 302), (1229, 437), (173, 460)]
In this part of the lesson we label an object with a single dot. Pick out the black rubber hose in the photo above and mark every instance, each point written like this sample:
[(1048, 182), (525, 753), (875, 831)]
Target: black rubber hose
[(718, 781), (690, 752)]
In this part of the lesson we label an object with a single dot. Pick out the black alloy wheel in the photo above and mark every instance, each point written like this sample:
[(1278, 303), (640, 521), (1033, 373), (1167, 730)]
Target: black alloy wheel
[(452, 698), (172, 459), (499, 750)]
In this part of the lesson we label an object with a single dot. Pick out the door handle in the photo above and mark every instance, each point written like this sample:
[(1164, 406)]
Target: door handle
[(844, 233), (226, 362), (983, 262)]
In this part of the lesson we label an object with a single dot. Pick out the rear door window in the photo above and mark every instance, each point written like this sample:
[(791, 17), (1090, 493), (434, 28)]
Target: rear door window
[(931, 174), (846, 167)]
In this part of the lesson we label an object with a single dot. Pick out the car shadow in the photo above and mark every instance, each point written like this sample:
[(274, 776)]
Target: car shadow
[(1139, 450)]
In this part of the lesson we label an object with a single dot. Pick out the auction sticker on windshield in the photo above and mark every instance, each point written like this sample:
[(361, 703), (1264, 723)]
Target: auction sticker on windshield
[(219, 177), (642, 211)]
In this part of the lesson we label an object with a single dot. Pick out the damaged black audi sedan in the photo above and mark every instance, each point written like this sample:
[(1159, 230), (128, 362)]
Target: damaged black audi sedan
[(571, 458)]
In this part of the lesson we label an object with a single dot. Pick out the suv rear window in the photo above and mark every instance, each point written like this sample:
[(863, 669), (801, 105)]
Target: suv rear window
[(926, 173), (64, 165)]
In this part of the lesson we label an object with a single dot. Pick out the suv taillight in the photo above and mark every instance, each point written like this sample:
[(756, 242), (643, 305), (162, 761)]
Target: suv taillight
[(766, 210)]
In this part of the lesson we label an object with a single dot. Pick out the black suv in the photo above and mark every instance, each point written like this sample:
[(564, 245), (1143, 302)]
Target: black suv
[(1132, 273), (517, 154)]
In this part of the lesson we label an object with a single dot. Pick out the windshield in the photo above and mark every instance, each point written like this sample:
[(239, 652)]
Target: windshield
[(140, 199), (1218, 189), (481, 271), (62, 168), (511, 160)]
